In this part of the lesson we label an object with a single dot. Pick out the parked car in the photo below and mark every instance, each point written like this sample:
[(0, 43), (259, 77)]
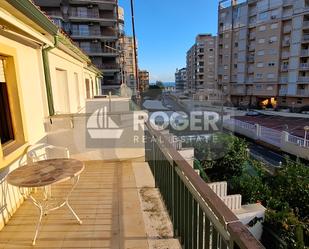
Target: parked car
[(252, 113)]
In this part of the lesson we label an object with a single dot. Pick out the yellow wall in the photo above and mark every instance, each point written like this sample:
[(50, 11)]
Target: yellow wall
[(33, 107)]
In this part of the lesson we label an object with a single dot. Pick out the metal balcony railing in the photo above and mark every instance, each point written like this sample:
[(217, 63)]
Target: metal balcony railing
[(89, 14), (304, 66), (86, 33), (285, 55), (200, 218), (287, 29), (305, 53), (283, 91), (284, 67), (303, 92), (108, 66), (306, 24), (306, 38), (284, 79), (303, 79)]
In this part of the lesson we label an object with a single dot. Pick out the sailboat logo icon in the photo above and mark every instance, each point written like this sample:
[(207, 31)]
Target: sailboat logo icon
[(100, 126)]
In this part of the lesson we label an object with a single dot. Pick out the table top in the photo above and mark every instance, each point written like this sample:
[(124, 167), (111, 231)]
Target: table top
[(44, 173)]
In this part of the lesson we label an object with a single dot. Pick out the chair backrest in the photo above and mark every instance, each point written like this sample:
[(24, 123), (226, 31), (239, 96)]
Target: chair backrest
[(40, 152)]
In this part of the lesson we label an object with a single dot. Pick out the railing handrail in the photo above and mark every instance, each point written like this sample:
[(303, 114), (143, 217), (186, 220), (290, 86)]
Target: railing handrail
[(238, 232)]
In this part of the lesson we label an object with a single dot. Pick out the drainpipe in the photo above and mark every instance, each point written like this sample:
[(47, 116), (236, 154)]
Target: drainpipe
[(48, 84)]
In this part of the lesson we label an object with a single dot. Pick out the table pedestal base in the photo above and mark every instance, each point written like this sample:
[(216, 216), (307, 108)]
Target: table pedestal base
[(44, 208)]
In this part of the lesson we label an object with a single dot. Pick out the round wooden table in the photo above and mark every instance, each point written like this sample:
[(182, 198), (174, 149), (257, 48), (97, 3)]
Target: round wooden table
[(44, 174)]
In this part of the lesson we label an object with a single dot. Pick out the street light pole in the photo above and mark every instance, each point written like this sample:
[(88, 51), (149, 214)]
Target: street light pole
[(306, 128), (135, 49)]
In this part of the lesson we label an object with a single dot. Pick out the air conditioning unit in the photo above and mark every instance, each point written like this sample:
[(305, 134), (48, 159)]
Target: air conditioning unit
[(273, 17)]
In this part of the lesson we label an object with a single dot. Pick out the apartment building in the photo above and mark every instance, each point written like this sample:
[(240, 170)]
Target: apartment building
[(143, 79), (201, 66), (128, 61), (181, 79), (263, 52), (95, 26)]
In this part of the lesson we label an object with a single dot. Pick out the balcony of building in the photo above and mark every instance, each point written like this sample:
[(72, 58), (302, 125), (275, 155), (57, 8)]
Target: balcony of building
[(283, 90), (251, 47), (92, 15), (252, 21), (302, 90), (109, 67), (252, 35), (287, 28), (305, 38), (48, 3), (304, 53), (252, 11), (303, 79), (286, 43), (86, 34), (288, 2), (54, 13), (284, 79), (305, 25), (251, 58), (304, 66), (266, 90), (285, 55), (284, 67), (114, 2), (238, 90)]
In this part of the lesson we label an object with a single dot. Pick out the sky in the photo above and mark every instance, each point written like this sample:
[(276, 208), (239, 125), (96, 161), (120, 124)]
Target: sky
[(166, 29)]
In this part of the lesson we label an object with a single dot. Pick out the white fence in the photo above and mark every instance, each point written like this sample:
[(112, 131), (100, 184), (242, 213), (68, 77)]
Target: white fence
[(270, 136), (281, 139), (298, 141)]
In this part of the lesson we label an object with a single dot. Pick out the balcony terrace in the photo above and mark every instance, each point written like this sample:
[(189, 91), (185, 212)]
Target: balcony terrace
[(146, 197), (304, 66), (109, 201)]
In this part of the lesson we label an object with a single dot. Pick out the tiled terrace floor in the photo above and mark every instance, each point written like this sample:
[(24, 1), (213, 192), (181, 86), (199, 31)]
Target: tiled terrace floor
[(108, 201)]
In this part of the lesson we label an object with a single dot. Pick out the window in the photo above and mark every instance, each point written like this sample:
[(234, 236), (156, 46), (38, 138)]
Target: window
[(272, 51), (262, 28), (271, 64), (274, 26), (271, 76), (263, 16), (259, 76), (261, 41), (273, 39), (260, 64), (11, 127), (261, 52), (6, 127)]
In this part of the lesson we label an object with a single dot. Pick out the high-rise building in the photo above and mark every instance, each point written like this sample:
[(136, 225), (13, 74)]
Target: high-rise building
[(96, 27), (201, 65), (128, 61), (263, 52), (143, 76), (181, 79)]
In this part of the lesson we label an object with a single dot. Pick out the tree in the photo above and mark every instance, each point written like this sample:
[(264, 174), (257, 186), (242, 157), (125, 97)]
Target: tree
[(232, 163)]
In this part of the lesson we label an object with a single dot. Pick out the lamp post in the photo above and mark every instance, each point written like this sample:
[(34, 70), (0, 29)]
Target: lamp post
[(306, 128), (135, 49)]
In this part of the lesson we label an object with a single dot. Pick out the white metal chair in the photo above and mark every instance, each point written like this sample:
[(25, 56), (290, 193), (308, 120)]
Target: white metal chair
[(41, 152)]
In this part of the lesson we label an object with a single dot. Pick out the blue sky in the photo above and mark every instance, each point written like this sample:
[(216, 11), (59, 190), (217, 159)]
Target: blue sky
[(166, 29)]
